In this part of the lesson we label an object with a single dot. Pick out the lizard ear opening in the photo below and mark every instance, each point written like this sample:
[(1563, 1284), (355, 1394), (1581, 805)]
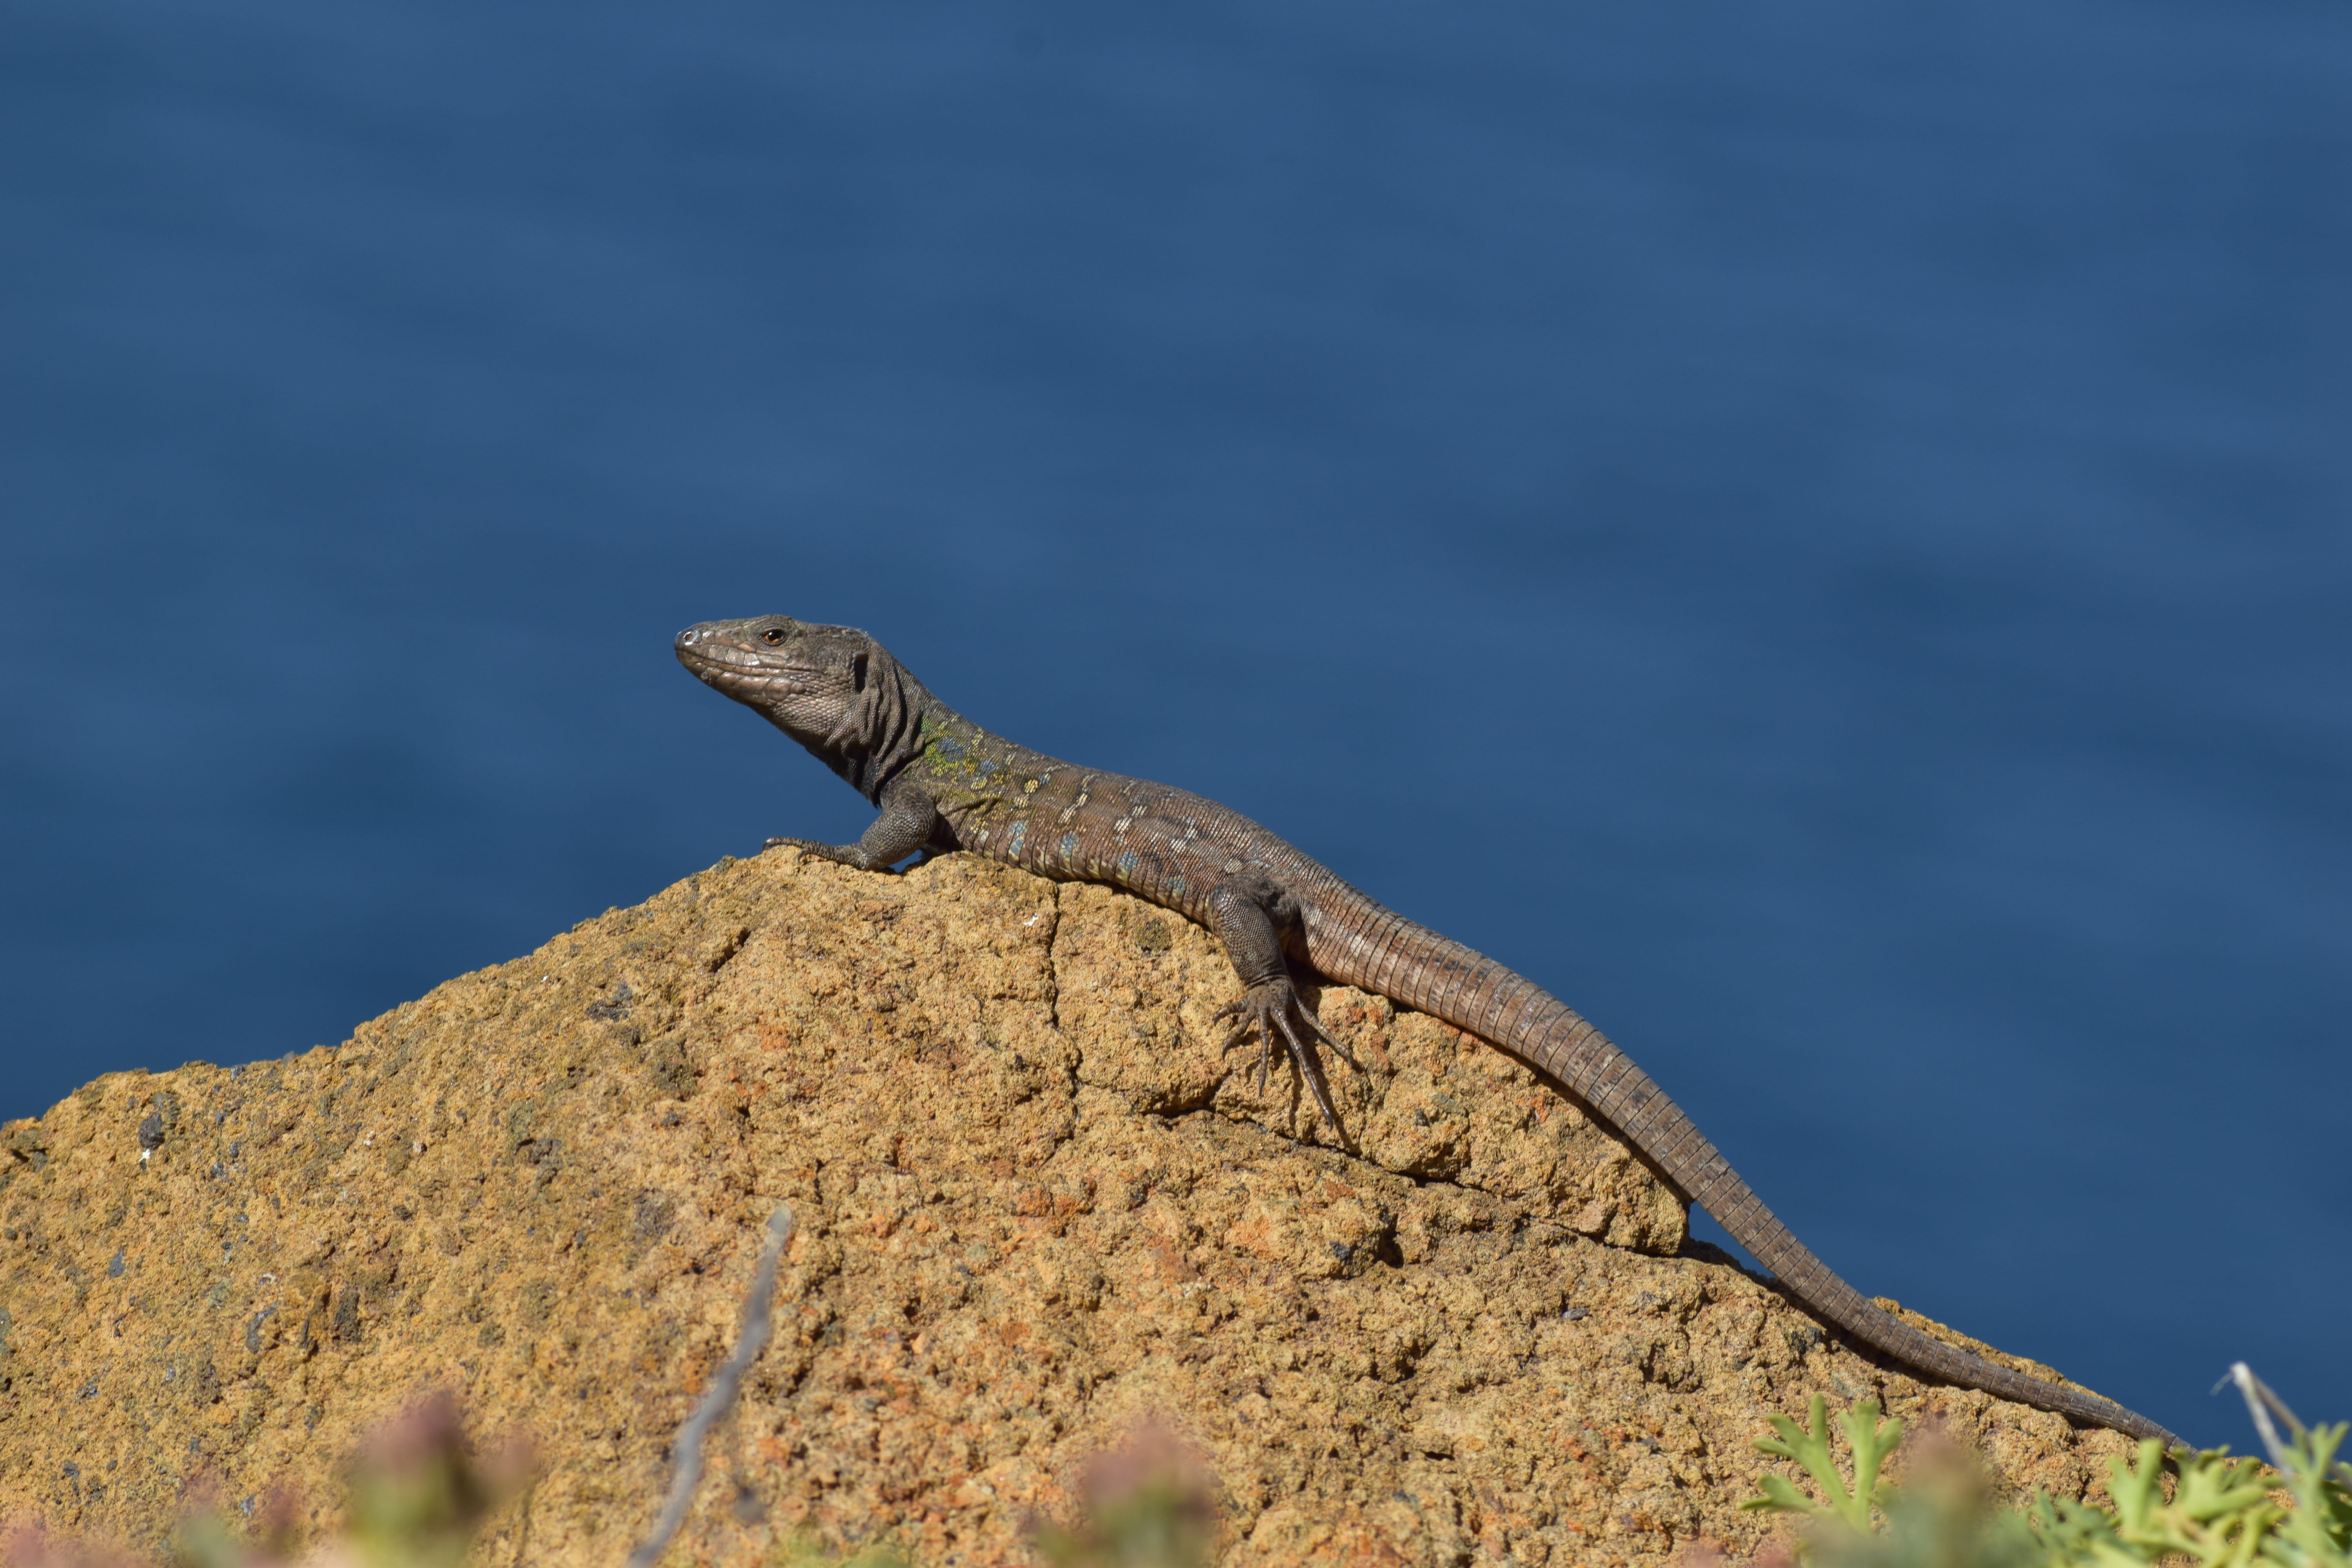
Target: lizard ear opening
[(857, 671)]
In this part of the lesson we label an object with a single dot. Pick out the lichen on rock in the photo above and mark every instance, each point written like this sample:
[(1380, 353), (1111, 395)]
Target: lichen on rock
[(1036, 1206)]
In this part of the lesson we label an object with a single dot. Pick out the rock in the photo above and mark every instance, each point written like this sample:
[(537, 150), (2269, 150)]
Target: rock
[(1036, 1208)]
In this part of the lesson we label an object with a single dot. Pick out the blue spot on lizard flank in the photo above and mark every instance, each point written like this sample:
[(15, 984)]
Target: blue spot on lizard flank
[(1017, 837), (949, 748), (1176, 888), (1068, 847), (1126, 866)]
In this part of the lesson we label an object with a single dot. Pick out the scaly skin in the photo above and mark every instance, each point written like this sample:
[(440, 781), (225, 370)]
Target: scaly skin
[(942, 782)]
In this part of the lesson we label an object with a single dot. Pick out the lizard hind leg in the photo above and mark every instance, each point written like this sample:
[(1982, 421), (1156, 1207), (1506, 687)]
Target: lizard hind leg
[(1250, 912)]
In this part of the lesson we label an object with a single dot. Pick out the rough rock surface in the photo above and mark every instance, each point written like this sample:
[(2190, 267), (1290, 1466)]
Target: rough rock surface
[(1036, 1208)]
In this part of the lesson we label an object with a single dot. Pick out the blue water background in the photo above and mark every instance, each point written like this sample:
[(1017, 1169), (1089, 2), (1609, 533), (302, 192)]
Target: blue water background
[(1818, 534)]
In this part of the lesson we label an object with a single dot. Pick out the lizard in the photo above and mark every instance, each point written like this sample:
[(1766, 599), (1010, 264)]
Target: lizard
[(943, 784)]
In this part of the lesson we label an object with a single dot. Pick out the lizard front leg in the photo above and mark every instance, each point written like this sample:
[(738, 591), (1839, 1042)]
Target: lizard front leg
[(909, 818), (1249, 912)]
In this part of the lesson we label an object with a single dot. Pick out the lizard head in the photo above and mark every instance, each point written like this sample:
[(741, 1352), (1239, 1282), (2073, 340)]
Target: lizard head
[(832, 689), (806, 679)]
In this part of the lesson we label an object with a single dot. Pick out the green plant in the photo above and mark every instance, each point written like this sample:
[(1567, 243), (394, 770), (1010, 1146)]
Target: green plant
[(416, 1498), (802, 1551), (2220, 1511), (1869, 1437), (1145, 1504)]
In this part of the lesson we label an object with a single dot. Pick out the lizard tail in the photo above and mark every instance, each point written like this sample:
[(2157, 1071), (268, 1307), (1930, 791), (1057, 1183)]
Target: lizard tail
[(1437, 975)]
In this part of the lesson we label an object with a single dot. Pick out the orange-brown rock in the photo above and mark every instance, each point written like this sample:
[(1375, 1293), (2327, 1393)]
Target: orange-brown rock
[(1037, 1207)]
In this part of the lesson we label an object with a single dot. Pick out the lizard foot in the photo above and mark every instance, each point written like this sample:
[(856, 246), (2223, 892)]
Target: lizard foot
[(1274, 1006), (849, 855)]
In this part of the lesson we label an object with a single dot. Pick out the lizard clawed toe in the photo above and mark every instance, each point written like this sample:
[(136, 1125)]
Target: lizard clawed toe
[(1315, 1024), (1270, 1007), (1241, 1036)]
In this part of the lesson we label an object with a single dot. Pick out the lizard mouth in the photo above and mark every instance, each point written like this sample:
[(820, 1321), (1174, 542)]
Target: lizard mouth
[(719, 661)]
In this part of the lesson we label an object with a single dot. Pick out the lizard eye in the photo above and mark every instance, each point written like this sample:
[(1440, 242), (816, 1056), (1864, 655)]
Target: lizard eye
[(772, 636)]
